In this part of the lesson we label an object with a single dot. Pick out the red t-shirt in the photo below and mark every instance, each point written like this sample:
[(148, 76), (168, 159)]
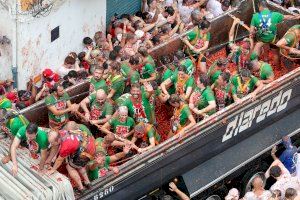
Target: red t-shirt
[(69, 146)]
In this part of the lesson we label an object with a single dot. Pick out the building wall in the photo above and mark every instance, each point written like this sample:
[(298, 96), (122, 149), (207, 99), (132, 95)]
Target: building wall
[(76, 20), (6, 28)]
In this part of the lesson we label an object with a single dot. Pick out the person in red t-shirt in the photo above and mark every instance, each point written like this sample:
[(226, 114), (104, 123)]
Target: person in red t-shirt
[(77, 148)]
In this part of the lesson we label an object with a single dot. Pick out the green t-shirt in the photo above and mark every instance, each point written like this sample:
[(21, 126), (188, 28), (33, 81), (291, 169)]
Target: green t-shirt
[(98, 112), (205, 96), (127, 72), (270, 19), (60, 104), (85, 129), (168, 73), (16, 123), (184, 115), (5, 103), (265, 71), (96, 85), (121, 128), (147, 70), (189, 66), (41, 140), (181, 86), (291, 36), (141, 110), (150, 60), (117, 84), (212, 73), (94, 174), (197, 39), (240, 89)]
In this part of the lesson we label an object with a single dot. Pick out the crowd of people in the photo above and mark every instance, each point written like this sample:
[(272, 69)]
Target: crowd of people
[(117, 119)]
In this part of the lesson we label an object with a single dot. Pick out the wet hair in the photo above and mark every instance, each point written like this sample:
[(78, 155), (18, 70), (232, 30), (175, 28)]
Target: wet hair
[(55, 87), (165, 59), (179, 55), (245, 73), (174, 98), (170, 10), (204, 24), (165, 28), (31, 128), (225, 76), (73, 54), (166, 197), (20, 105), (204, 79), (145, 15), (134, 60), (70, 60), (249, 65), (195, 16), (130, 36), (117, 49), (66, 84), (136, 24), (87, 41), (105, 65), (226, 3), (116, 66), (263, 3), (156, 39), (290, 193), (276, 194), (113, 56), (82, 75), (81, 56), (275, 171), (139, 14), (73, 74), (125, 16), (143, 51), (98, 35)]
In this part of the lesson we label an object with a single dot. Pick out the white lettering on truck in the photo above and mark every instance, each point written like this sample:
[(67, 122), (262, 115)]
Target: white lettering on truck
[(244, 120)]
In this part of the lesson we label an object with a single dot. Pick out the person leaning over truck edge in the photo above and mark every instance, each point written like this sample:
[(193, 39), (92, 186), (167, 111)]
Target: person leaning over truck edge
[(261, 70), (37, 140), (289, 43), (59, 106)]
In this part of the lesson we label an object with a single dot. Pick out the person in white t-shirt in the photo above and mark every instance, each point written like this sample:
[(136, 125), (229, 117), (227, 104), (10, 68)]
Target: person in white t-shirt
[(69, 65), (258, 192), (214, 7)]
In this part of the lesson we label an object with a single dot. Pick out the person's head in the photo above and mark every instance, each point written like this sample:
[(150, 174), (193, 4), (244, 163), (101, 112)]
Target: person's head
[(152, 3), (130, 38), (58, 89), (225, 5), (87, 41), (187, 2), (168, 11), (276, 195), (204, 26), (258, 182), (139, 130), (98, 73), (166, 28), (196, 17), (175, 100), (72, 75), (262, 5), (71, 126), (275, 171), (82, 75), (31, 131), (165, 59), (143, 51), (155, 40), (101, 96), (204, 80), (222, 63), (223, 79), (100, 156), (123, 113), (81, 56), (233, 194), (245, 74), (246, 46), (134, 60), (117, 49), (69, 62), (108, 139), (181, 71), (115, 67), (113, 56), (250, 65), (179, 55), (290, 194), (135, 90)]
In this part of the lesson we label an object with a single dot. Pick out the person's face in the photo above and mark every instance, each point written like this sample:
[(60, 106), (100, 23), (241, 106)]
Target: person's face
[(123, 116), (153, 4), (101, 99), (100, 159), (60, 91), (221, 81), (68, 66), (135, 92), (105, 73), (98, 74), (181, 74), (30, 137)]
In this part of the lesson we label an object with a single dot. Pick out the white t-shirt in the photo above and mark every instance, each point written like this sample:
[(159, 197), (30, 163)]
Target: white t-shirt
[(62, 71), (252, 196), (286, 181), (214, 7), (185, 13)]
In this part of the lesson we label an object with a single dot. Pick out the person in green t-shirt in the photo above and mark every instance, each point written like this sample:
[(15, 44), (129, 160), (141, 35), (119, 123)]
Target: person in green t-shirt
[(217, 68), (102, 160), (5, 103), (183, 83), (182, 119), (59, 106), (264, 27), (37, 140), (261, 70), (169, 71), (243, 84), (116, 82), (97, 81), (121, 125), (100, 111), (198, 39), (147, 134), (202, 101), (146, 57), (289, 43), (129, 72), (186, 62), (221, 88), (138, 104)]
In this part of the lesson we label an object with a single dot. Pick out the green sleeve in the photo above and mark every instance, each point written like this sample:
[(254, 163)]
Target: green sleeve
[(149, 68), (233, 90), (21, 134), (117, 85), (66, 96), (173, 78), (151, 133), (92, 97), (191, 35), (112, 122), (131, 123), (210, 95), (49, 100), (187, 110), (268, 71), (43, 140), (109, 109), (254, 19), (208, 37), (190, 82), (278, 16), (107, 162)]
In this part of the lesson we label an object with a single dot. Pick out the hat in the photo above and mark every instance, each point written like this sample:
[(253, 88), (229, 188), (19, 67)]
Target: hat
[(55, 77), (47, 73)]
